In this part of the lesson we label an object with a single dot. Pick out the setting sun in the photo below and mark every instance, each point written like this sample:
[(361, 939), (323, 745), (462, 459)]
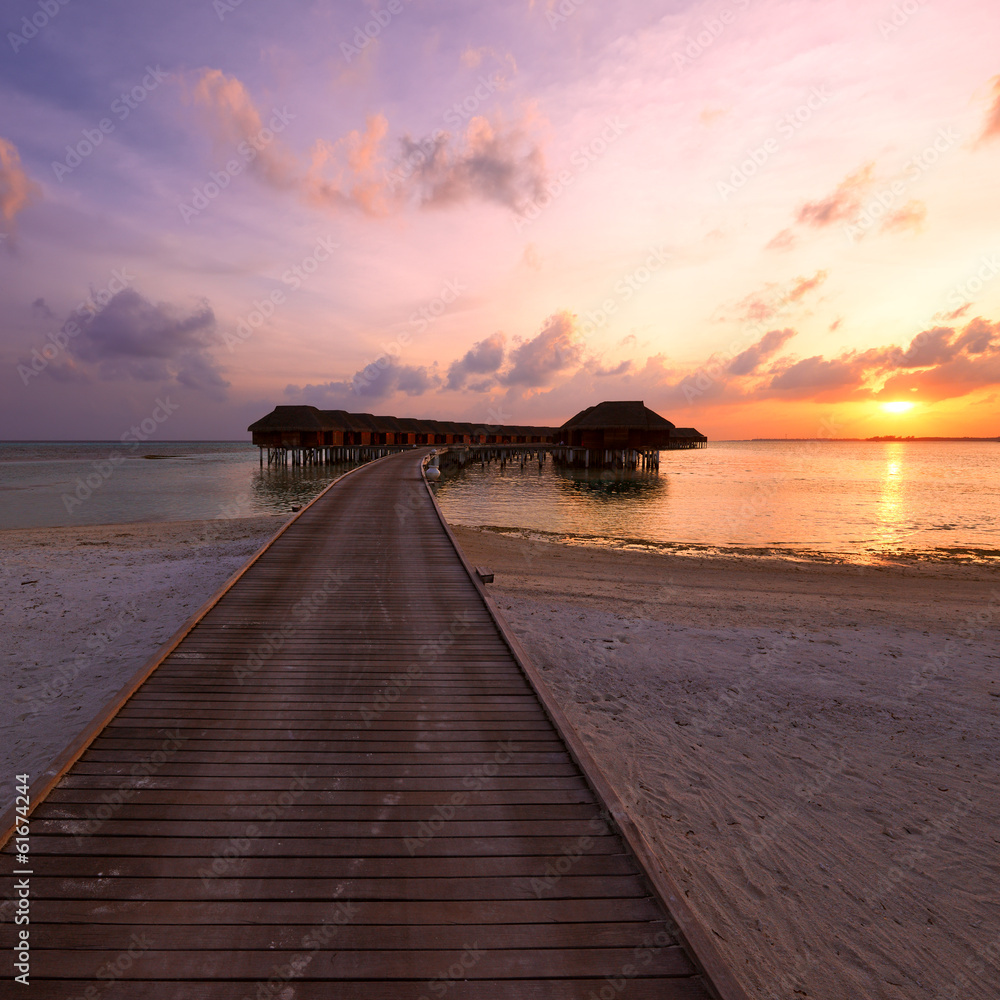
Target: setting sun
[(901, 407)]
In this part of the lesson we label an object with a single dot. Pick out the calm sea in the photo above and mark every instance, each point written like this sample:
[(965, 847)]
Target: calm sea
[(855, 500), (56, 483)]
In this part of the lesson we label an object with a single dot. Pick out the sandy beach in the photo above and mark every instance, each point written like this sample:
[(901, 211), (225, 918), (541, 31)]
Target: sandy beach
[(812, 747)]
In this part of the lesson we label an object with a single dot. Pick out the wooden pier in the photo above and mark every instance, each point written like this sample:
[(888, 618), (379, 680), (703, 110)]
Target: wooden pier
[(344, 780)]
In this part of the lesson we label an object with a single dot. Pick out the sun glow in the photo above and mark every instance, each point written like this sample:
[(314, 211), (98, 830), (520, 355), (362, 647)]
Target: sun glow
[(900, 407)]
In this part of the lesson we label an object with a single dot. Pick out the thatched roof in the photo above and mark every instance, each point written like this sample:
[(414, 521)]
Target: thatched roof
[(289, 419), (617, 413)]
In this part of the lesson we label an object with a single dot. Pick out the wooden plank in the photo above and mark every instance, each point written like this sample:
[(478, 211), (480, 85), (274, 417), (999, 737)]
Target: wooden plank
[(100, 844), (690, 988), (459, 913), (333, 964), (224, 829), (335, 811), (258, 889), (295, 867), (351, 936)]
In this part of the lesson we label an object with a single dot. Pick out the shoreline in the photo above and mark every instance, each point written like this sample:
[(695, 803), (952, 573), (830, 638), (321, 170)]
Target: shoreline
[(959, 555), (811, 746)]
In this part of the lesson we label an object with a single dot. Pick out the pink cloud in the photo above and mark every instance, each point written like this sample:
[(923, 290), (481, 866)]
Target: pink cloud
[(784, 240), (750, 360), (992, 127), (910, 217), (556, 348), (350, 171), (843, 203), (17, 190), (502, 164), (235, 121), (803, 286)]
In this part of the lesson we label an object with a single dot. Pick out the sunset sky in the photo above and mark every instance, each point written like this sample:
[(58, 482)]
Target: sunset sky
[(761, 217)]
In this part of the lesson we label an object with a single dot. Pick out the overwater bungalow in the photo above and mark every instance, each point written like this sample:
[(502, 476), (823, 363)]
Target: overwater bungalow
[(626, 425), (617, 433)]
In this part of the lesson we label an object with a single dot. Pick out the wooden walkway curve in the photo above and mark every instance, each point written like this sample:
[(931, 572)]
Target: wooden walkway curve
[(342, 773)]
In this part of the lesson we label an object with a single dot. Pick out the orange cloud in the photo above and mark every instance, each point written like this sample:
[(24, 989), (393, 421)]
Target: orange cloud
[(910, 217), (490, 163), (843, 203), (784, 240), (17, 190), (537, 361), (992, 128), (238, 127), (357, 166), (803, 286)]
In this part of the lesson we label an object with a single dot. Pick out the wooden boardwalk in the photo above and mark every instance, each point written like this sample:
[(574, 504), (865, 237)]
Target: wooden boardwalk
[(342, 773)]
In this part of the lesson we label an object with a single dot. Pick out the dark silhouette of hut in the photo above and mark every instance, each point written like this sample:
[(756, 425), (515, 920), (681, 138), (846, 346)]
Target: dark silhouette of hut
[(617, 425), (687, 437), (297, 427)]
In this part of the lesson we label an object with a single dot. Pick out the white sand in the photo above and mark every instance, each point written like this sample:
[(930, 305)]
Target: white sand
[(825, 791), (84, 608)]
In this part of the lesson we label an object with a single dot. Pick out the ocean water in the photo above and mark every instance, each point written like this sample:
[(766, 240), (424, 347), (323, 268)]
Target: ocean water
[(852, 500), (855, 501), (50, 484)]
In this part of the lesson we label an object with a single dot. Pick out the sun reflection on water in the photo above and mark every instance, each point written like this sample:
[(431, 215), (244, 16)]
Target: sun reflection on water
[(891, 506)]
